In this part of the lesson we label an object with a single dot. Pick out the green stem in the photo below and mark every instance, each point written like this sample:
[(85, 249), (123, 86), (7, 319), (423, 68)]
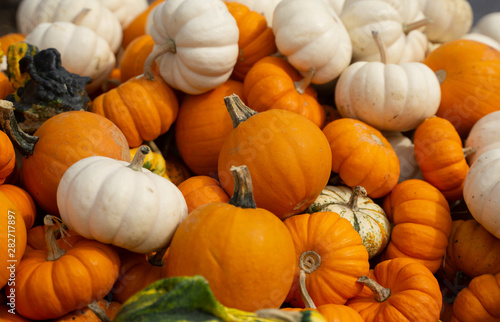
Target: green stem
[(101, 314), (157, 258)]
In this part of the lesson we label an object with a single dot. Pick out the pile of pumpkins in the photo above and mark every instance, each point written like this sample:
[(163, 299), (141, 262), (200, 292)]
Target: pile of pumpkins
[(336, 155)]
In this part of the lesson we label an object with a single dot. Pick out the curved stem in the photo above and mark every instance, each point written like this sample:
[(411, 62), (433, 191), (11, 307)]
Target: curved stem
[(468, 151), (53, 224), (158, 50), (138, 159), (243, 189), (357, 192), (78, 18), (409, 27), (309, 261), (301, 85), (238, 111), (101, 314), (25, 142), (157, 258), (381, 293), (381, 46)]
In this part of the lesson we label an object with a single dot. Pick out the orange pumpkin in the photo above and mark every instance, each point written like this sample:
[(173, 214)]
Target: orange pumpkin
[(6, 87), (440, 156), (36, 238), (137, 27), (469, 73), (7, 316), (245, 253), (327, 248), (134, 57), (142, 109), (272, 83), (479, 301), (87, 314), (10, 39), (7, 157), (362, 156), (202, 126), (23, 201), (287, 154), (200, 190), (256, 38), (59, 142), (421, 223), (402, 290)]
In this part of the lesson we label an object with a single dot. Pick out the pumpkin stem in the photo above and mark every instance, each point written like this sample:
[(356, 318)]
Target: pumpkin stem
[(238, 111), (157, 258), (357, 192), (22, 140), (243, 189), (409, 27), (97, 310), (309, 261), (158, 50), (441, 75), (301, 85), (53, 225), (468, 151), (381, 46), (78, 18), (139, 157), (381, 293)]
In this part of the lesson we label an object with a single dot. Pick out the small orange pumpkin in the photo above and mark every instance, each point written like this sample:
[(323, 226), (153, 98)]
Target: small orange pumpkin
[(200, 190), (7, 157), (134, 57), (9, 39), (137, 27), (87, 314), (23, 201)]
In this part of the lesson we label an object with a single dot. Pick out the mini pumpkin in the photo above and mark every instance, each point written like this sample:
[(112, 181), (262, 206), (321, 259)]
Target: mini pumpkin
[(200, 190), (134, 56), (483, 136), (23, 201), (451, 19), (137, 27), (7, 157)]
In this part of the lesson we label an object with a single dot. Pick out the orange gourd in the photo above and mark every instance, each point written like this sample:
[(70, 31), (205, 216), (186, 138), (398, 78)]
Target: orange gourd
[(287, 154), (421, 222), (202, 126), (362, 156), (256, 38), (142, 109), (441, 157), (245, 253), (134, 57), (327, 248), (10, 39), (137, 27), (6, 87), (469, 73), (200, 190), (7, 157), (402, 290), (23, 201), (272, 83)]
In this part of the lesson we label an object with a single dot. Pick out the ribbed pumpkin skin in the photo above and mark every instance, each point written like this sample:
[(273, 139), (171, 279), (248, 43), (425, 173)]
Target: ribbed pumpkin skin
[(134, 57), (202, 126), (421, 223), (440, 156), (415, 294), (23, 201), (479, 301), (142, 109), (63, 140), (362, 156), (471, 88), (246, 255), (200, 190), (256, 38), (269, 84), (7, 157)]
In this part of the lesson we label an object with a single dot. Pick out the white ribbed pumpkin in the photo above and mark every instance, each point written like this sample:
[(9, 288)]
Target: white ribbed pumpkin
[(119, 203), (451, 19), (482, 38), (88, 13), (405, 151), (196, 44), (367, 217), (482, 191), (484, 136), (488, 25), (311, 35), (82, 51), (337, 5), (126, 10)]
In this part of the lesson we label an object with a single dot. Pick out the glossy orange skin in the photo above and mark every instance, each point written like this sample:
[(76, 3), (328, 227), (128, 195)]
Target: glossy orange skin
[(137, 27), (23, 201), (142, 109), (362, 156), (6, 87), (9, 39), (256, 38), (134, 57), (288, 158), (246, 255), (421, 223), (200, 190), (269, 84), (343, 258), (471, 88), (7, 157), (440, 156), (63, 140), (415, 293), (50, 289), (202, 126)]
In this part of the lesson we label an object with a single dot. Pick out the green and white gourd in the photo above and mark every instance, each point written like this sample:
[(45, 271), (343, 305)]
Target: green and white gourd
[(367, 218)]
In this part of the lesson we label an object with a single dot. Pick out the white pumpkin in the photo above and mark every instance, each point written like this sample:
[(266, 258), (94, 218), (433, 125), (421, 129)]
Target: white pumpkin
[(482, 191), (119, 203), (88, 13), (367, 217), (126, 10), (451, 19), (82, 51), (196, 44), (405, 151), (312, 36), (336, 5), (489, 25), (484, 136), (482, 38), (264, 7), (398, 22)]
